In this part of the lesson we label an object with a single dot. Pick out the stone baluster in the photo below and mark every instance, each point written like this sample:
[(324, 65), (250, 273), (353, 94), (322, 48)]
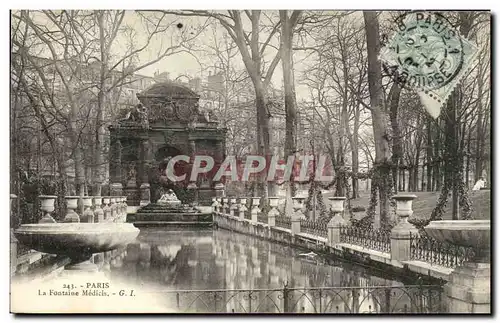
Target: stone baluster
[(219, 205), (402, 232), (214, 205), (255, 208), (233, 207), (273, 213), (112, 206), (118, 208), (98, 212), (297, 214), (71, 206), (243, 208), (337, 221), (225, 208), (106, 208), (122, 210), (125, 205), (120, 205), (88, 214)]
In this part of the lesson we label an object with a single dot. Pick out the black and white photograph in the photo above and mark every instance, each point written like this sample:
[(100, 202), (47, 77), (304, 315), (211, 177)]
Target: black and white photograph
[(288, 161)]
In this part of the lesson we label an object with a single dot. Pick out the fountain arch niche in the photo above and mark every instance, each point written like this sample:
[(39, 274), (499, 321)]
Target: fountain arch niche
[(168, 121), (158, 179)]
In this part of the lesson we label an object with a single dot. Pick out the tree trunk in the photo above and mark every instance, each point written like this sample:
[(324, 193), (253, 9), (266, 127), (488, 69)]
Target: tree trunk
[(263, 138), (429, 156), (289, 84), (355, 154), (379, 122), (394, 95), (97, 169)]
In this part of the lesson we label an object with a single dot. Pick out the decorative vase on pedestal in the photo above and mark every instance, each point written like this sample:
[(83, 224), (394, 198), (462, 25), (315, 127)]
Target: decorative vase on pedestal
[(106, 208), (71, 205), (98, 212), (88, 214)]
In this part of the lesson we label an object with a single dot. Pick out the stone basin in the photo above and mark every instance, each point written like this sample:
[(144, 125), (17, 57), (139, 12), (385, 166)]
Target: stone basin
[(76, 240), (465, 233)]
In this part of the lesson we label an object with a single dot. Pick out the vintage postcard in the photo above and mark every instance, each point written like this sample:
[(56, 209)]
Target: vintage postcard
[(250, 161)]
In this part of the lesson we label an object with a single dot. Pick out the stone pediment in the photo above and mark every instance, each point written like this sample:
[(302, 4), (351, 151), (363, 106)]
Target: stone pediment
[(171, 102)]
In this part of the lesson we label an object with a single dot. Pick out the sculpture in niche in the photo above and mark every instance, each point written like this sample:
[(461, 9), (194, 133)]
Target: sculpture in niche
[(138, 115), (169, 198), (131, 175)]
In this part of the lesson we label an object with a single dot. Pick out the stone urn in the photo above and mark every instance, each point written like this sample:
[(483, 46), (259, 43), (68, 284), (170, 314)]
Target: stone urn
[(47, 203), (469, 285), (404, 211), (337, 207), (337, 203), (71, 205), (298, 206), (474, 234), (88, 214)]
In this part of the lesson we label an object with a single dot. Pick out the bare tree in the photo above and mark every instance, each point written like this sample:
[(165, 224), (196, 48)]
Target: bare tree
[(381, 179)]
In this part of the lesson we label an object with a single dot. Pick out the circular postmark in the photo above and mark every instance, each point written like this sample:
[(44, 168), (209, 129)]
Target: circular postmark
[(425, 52)]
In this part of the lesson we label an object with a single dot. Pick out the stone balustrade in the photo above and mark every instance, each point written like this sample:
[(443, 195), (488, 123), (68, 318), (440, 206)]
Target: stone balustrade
[(396, 248), (93, 212), (114, 210)]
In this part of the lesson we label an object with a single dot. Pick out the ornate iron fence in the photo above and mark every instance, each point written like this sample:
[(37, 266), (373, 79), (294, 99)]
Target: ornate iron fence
[(371, 239), (316, 228), (353, 300), (283, 222), (425, 248)]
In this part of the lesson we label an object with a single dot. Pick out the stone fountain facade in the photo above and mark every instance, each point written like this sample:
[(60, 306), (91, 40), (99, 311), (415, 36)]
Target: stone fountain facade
[(168, 122)]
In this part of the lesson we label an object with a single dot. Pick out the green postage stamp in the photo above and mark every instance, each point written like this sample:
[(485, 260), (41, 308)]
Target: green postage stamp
[(428, 55)]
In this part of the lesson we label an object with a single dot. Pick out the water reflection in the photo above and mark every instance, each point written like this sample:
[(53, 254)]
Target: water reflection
[(211, 260)]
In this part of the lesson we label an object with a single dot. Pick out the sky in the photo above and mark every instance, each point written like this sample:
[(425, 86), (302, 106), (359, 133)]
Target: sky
[(184, 63)]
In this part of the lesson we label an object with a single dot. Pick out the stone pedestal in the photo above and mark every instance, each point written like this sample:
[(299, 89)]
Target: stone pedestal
[(219, 190), (469, 286), (401, 234), (297, 214), (71, 206), (295, 224), (254, 212), (116, 189), (243, 208), (469, 289), (145, 194), (334, 226), (233, 207), (337, 221), (98, 212)]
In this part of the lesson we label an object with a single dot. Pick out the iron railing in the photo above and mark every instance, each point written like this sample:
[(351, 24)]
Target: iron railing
[(367, 238), (316, 228), (283, 222), (353, 300), (425, 248)]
